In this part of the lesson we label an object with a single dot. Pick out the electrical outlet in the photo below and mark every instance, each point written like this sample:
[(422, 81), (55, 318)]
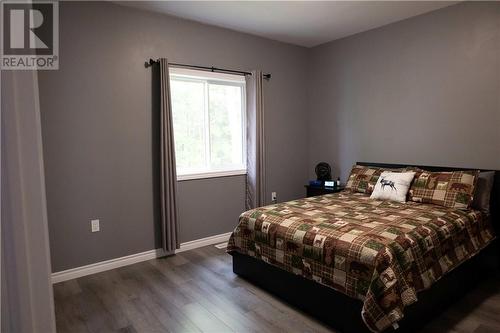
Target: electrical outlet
[(94, 225), (274, 197)]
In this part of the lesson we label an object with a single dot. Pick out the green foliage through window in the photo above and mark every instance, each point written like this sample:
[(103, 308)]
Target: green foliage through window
[(209, 120)]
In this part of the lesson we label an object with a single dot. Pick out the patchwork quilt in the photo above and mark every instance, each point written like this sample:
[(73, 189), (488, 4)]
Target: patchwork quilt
[(381, 252)]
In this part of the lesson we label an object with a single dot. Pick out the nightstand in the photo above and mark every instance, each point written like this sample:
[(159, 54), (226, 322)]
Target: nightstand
[(313, 191)]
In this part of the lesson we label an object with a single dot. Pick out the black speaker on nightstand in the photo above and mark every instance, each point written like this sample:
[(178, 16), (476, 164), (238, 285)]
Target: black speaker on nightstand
[(323, 171)]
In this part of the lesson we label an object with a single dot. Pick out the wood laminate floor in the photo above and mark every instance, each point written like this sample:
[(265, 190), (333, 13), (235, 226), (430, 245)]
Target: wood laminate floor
[(196, 291)]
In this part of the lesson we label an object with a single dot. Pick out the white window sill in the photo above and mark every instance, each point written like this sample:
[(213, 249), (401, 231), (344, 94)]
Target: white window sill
[(212, 174)]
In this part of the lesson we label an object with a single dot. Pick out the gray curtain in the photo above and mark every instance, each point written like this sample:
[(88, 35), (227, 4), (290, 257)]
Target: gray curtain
[(169, 224), (255, 184)]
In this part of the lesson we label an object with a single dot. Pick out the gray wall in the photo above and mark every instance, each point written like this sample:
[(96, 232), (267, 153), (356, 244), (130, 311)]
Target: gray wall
[(98, 129), (424, 90), (211, 206)]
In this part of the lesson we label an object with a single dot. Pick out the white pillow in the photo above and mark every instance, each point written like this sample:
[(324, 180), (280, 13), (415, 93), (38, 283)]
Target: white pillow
[(393, 186)]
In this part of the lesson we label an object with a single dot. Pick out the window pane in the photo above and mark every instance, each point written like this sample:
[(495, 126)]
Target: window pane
[(188, 99), (226, 133)]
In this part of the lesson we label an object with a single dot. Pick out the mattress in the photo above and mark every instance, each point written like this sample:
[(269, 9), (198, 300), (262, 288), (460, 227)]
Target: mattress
[(380, 252)]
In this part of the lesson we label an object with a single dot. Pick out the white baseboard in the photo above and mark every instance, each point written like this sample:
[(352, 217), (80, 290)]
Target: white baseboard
[(203, 242), (106, 265)]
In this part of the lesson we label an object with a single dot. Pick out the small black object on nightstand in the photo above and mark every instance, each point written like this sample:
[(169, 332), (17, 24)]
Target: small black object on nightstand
[(313, 191)]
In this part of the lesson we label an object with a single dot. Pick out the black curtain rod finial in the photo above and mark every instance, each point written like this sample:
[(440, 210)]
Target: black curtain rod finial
[(150, 63)]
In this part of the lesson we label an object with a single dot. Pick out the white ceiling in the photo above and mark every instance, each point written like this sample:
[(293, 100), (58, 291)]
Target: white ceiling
[(304, 23)]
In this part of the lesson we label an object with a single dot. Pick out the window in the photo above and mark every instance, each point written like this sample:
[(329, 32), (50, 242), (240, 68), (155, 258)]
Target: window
[(209, 123)]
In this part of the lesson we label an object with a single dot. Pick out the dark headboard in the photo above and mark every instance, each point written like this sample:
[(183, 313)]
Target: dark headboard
[(495, 192)]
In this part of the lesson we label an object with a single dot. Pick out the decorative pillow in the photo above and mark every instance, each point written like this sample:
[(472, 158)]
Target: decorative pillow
[(482, 193), (363, 178), (393, 186), (450, 189)]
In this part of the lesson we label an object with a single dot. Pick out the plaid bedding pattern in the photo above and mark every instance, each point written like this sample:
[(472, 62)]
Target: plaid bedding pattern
[(363, 179), (450, 189), (380, 252)]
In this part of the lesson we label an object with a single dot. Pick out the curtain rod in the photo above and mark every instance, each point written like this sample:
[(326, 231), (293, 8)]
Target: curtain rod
[(205, 68)]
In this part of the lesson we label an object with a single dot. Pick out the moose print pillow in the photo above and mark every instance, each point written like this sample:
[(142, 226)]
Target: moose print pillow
[(393, 186)]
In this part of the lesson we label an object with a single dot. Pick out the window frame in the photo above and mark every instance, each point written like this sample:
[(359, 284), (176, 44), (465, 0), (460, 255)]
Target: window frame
[(209, 78)]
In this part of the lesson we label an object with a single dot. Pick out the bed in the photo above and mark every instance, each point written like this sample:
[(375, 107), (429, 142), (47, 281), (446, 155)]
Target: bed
[(363, 265)]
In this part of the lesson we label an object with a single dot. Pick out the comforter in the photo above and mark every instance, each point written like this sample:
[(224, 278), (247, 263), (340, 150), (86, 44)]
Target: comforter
[(380, 252)]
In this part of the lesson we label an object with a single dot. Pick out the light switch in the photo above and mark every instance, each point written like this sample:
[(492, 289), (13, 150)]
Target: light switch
[(94, 225)]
